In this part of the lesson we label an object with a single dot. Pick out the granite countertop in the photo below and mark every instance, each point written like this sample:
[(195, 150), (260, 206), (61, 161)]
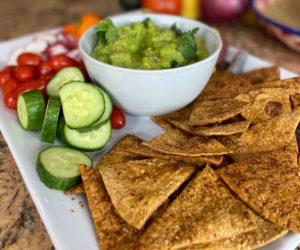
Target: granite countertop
[(20, 224)]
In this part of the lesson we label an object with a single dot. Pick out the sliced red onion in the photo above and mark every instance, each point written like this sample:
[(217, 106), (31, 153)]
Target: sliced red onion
[(56, 49), (75, 54)]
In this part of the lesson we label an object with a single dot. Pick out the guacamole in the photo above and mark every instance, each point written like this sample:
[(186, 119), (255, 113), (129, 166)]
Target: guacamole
[(145, 45)]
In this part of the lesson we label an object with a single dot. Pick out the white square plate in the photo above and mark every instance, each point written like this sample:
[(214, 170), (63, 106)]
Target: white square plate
[(69, 225)]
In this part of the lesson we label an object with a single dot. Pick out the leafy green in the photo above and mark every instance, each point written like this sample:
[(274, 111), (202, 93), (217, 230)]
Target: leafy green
[(107, 32), (177, 31), (146, 21), (187, 45)]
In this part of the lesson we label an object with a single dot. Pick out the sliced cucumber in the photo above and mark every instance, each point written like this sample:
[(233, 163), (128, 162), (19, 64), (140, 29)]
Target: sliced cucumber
[(58, 167), (51, 119), (64, 76), (82, 103), (87, 141), (31, 110), (105, 116)]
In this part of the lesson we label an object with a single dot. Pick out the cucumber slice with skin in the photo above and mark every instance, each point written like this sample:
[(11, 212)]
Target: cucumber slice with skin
[(93, 140), (51, 120), (62, 77), (58, 167), (82, 104), (106, 115), (31, 110)]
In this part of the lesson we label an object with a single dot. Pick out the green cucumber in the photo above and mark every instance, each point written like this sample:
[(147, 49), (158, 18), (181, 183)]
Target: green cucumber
[(64, 76), (82, 103), (31, 110), (92, 140), (105, 116), (58, 167), (51, 119)]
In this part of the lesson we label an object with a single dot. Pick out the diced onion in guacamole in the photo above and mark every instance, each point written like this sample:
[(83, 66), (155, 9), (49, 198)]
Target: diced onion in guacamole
[(145, 45)]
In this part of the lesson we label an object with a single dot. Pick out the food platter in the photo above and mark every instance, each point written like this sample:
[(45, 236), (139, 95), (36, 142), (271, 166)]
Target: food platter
[(67, 219)]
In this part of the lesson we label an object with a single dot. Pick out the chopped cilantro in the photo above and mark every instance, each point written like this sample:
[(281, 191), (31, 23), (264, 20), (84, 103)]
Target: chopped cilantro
[(177, 31), (107, 33), (146, 21), (187, 45)]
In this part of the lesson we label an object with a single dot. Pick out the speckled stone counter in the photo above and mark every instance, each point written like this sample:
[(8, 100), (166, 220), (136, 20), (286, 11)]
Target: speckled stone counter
[(20, 225)]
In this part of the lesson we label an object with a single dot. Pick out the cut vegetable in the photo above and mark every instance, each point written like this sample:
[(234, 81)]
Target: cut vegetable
[(64, 76), (31, 110), (51, 119), (58, 167), (82, 103), (92, 140)]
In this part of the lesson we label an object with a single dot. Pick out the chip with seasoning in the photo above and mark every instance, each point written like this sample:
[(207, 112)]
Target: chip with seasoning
[(78, 189), (261, 75)]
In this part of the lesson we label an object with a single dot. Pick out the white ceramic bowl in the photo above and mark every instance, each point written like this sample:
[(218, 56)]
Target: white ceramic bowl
[(153, 92)]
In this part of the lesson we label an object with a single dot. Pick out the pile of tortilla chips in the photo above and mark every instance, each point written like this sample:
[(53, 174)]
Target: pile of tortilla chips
[(223, 175)]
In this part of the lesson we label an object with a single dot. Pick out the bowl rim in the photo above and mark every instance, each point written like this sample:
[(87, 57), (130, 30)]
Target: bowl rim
[(156, 71), (269, 20)]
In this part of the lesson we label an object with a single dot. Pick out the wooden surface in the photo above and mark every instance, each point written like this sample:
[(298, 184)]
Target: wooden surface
[(20, 225)]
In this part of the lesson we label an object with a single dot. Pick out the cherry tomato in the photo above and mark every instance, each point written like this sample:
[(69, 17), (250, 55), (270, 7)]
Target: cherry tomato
[(11, 84), (10, 99), (25, 73), (29, 59), (61, 61), (47, 76), (44, 68), (165, 6), (10, 68), (117, 118), (4, 77)]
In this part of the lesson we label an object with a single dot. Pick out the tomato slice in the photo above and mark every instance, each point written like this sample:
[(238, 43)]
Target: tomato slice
[(117, 118)]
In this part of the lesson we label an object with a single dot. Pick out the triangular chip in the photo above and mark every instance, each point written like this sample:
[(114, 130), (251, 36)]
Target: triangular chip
[(111, 230), (265, 233), (270, 185), (212, 130), (78, 189), (266, 136), (204, 212), (212, 111), (137, 188), (293, 82), (178, 143), (223, 85), (136, 147), (260, 75)]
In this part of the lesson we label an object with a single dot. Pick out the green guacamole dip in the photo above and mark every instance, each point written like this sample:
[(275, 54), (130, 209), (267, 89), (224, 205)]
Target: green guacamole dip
[(144, 45)]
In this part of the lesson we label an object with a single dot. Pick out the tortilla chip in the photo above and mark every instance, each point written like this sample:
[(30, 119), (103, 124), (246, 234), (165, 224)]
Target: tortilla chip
[(269, 184), (78, 189), (293, 82), (212, 111), (269, 135), (295, 100), (137, 188), (266, 106), (214, 130), (204, 212), (224, 84), (260, 75), (110, 228), (265, 233), (136, 147), (176, 142)]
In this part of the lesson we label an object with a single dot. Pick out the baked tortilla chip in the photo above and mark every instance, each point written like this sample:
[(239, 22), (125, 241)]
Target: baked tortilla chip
[(269, 135), (213, 130), (265, 233), (293, 82), (295, 100), (136, 147), (78, 189), (111, 230), (178, 143), (212, 111), (270, 185), (224, 85), (260, 75), (204, 212), (137, 188)]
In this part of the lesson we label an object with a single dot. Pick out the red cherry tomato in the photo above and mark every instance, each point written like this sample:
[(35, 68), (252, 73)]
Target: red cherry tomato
[(11, 84), (4, 77), (10, 99), (29, 59), (165, 6), (44, 68), (48, 76), (117, 118), (61, 61), (9, 68), (25, 73)]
